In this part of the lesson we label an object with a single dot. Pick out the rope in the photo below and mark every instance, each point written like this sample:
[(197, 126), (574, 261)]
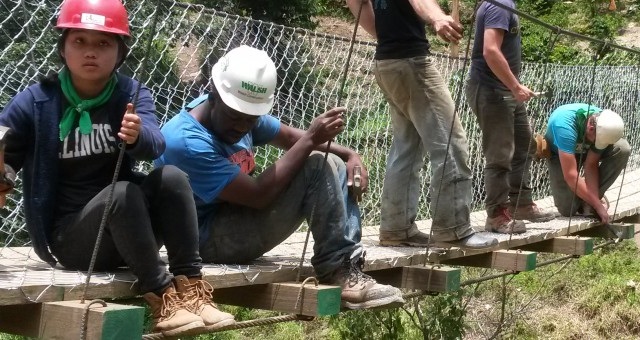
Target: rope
[(32, 59), (558, 29), (550, 48), (584, 137), (301, 292), (343, 82), (109, 200), (238, 325), (456, 106), (85, 317)]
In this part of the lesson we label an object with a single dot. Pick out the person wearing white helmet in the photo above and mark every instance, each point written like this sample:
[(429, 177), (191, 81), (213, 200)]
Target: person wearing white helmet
[(583, 136), (244, 214)]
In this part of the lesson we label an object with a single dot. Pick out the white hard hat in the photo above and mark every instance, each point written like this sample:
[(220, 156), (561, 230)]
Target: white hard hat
[(246, 79), (609, 129)]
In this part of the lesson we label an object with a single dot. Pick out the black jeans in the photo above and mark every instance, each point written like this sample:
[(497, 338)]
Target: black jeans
[(142, 217)]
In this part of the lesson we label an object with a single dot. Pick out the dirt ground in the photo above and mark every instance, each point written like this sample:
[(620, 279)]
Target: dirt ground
[(342, 28)]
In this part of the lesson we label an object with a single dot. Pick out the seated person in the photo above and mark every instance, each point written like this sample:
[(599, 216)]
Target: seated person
[(242, 214), (584, 136), (65, 135)]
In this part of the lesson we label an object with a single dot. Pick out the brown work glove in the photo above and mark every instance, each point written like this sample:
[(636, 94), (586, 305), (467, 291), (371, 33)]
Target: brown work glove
[(542, 148)]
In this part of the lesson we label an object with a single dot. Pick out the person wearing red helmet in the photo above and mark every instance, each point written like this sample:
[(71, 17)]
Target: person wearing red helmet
[(65, 135)]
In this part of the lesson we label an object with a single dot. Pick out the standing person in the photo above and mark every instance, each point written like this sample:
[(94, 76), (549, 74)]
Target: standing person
[(65, 133), (583, 136), (243, 214), (497, 98), (422, 115)]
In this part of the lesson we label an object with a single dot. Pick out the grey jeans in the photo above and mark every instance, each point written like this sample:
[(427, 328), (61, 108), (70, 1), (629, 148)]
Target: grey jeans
[(507, 145), (238, 234), (422, 115), (612, 161)]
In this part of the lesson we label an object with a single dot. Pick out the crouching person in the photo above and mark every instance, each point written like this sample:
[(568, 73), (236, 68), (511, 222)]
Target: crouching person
[(583, 136), (242, 214), (65, 135)]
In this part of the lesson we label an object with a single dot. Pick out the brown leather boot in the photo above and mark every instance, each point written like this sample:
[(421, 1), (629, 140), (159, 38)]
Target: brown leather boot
[(196, 294), (170, 314)]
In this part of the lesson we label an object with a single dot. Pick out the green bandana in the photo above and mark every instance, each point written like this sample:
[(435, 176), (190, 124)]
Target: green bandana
[(78, 106), (581, 122)]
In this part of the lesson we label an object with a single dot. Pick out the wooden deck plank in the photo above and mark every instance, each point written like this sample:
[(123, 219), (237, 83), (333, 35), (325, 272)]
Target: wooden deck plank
[(24, 278), (286, 297)]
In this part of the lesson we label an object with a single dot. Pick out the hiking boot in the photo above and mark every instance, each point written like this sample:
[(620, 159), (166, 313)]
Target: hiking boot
[(503, 223), (196, 294), (531, 212), (361, 291), (418, 240), (170, 315)]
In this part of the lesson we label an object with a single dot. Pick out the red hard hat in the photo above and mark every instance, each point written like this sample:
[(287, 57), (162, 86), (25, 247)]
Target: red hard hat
[(99, 15)]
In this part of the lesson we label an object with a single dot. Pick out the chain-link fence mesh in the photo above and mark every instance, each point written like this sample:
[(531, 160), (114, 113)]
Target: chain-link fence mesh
[(190, 38)]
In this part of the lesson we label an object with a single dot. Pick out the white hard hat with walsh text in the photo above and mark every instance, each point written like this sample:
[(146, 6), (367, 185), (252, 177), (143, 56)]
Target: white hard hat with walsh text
[(246, 80)]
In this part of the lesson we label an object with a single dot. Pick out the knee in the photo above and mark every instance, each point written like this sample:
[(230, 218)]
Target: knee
[(169, 174), (126, 195), (624, 149), (337, 163), (316, 160), (169, 179)]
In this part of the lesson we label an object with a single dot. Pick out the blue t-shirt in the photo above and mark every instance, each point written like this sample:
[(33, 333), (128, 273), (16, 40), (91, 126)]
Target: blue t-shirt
[(210, 162), (562, 131), (491, 16)]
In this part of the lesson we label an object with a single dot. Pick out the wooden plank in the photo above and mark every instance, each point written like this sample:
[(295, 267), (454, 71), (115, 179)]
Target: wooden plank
[(623, 231), (431, 278), (318, 300), (21, 319), (27, 294), (516, 260), (570, 245), (63, 320)]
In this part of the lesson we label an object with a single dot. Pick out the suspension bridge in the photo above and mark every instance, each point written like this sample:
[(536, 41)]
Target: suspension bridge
[(42, 301)]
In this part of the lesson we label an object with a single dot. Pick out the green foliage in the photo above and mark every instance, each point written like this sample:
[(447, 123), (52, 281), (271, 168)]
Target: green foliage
[(440, 316), (295, 13), (385, 325), (334, 8)]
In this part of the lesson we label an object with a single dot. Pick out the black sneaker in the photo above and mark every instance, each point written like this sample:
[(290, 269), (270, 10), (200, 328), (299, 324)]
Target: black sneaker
[(418, 240)]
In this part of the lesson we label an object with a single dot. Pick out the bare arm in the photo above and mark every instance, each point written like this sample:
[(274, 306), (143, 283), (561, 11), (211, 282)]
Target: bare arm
[(444, 25), (259, 192), (498, 64), (582, 189), (349, 156), (367, 17)]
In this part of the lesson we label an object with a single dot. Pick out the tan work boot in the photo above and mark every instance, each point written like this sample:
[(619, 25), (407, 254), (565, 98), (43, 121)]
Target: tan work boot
[(361, 291), (503, 223), (531, 212), (197, 295), (170, 316)]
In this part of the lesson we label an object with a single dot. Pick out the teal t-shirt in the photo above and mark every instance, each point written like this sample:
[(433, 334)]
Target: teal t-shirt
[(562, 130)]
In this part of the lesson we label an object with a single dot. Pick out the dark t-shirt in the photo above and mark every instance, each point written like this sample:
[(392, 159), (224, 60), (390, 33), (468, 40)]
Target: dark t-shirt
[(492, 16), (401, 33), (87, 164)]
